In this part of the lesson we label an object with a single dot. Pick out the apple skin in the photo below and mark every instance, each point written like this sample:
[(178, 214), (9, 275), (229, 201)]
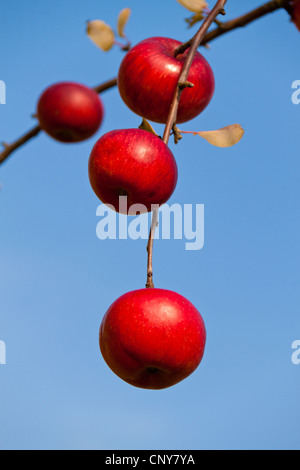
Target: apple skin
[(296, 13), (148, 77), (133, 163), (152, 338), (70, 112)]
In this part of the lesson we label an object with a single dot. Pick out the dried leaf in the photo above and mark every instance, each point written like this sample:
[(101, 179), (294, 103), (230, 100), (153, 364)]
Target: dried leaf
[(101, 34), (122, 21), (226, 137), (196, 18), (146, 126), (195, 6)]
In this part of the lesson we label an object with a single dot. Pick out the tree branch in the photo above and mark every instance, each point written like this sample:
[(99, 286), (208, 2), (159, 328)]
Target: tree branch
[(171, 121), (244, 20), (222, 28)]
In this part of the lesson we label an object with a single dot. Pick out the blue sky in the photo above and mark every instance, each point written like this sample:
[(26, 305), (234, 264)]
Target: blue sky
[(57, 279)]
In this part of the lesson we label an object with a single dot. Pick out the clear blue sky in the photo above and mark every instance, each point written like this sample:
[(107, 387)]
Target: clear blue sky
[(57, 279)]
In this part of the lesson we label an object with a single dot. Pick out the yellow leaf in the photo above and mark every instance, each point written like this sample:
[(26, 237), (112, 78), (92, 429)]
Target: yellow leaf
[(194, 5), (122, 21), (101, 34), (226, 137)]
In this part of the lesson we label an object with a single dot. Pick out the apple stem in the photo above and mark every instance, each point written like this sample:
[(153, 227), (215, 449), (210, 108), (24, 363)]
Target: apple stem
[(193, 45), (106, 86), (171, 121), (154, 224)]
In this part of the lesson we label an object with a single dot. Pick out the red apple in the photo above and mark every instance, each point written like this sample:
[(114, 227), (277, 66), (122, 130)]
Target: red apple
[(296, 13), (152, 338), (133, 163), (148, 78), (70, 112)]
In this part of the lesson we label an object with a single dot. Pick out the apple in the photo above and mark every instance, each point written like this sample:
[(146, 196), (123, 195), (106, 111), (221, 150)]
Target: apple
[(296, 13), (148, 77), (133, 163), (152, 338), (70, 112)]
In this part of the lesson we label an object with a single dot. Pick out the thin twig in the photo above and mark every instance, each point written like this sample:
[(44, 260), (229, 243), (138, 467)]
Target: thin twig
[(10, 148), (171, 121), (106, 86)]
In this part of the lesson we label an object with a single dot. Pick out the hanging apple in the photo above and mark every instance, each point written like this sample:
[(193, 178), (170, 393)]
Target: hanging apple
[(148, 77), (133, 163), (152, 338), (70, 112)]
